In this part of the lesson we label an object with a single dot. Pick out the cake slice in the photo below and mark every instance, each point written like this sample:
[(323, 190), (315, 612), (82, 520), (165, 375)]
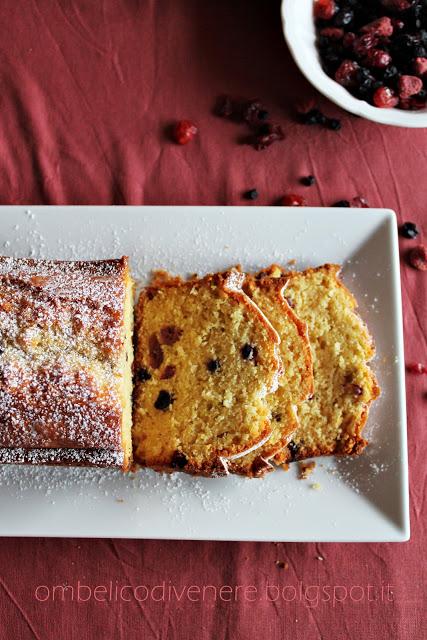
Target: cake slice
[(296, 383), (206, 360), (331, 422), (65, 362)]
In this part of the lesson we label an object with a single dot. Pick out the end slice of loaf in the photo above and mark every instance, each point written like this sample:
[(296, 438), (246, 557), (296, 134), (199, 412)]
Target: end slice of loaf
[(296, 383), (331, 422), (206, 360)]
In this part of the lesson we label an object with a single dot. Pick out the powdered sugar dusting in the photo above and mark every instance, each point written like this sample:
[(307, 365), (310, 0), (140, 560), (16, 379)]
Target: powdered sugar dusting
[(61, 336)]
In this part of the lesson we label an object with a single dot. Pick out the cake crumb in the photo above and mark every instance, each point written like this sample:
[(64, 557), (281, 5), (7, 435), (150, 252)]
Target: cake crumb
[(316, 486), (306, 469)]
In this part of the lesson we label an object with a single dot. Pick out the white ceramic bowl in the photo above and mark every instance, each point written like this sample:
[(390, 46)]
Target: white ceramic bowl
[(299, 30)]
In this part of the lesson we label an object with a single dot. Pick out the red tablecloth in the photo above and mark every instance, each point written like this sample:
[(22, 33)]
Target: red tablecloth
[(87, 92)]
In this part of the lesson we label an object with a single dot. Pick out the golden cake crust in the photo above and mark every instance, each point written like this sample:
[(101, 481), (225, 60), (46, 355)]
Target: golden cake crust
[(296, 383), (61, 342), (179, 331)]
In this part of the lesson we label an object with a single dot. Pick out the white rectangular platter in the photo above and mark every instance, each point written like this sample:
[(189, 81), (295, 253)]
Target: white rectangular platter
[(363, 499)]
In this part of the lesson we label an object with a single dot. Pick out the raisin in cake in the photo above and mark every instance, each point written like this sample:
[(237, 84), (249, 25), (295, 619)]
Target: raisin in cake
[(331, 422), (65, 362), (206, 360), (296, 383)]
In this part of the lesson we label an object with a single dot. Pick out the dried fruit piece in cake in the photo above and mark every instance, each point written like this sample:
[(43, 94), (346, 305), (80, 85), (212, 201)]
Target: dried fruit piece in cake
[(296, 383), (206, 360), (65, 362), (344, 385)]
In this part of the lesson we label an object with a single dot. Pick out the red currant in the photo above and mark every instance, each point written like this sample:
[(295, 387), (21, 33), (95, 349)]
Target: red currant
[(385, 98), (293, 200), (324, 9), (184, 131)]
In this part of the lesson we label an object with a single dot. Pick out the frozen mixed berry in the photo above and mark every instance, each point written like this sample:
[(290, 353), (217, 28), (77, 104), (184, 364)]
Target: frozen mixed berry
[(418, 257), (420, 66), (409, 230), (213, 365), (409, 86), (312, 117), (324, 9), (342, 203), (184, 131), (378, 59), (266, 135), (385, 98), (334, 124), (332, 33), (308, 181), (382, 27), (164, 400), (359, 203), (417, 368), (347, 73), (252, 194), (293, 200), (377, 49)]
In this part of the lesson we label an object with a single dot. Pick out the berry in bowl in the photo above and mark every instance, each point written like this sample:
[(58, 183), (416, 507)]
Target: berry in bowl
[(368, 56)]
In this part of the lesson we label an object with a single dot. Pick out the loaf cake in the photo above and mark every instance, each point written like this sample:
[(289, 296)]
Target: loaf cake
[(206, 359), (296, 383), (65, 362), (331, 422)]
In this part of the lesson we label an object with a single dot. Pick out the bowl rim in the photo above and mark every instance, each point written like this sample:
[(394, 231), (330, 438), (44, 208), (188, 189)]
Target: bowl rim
[(337, 94)]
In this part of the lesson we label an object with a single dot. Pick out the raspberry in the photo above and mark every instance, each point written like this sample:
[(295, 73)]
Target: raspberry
[(417, 367), (385, 98), (409, 86), (324, 9), (382, 27), (364, 43), (359, 203), (397, 5), (348, 40), (293, 200), (420, 66), (347, 72), (184, 131), (377, 59), (418, 257)]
